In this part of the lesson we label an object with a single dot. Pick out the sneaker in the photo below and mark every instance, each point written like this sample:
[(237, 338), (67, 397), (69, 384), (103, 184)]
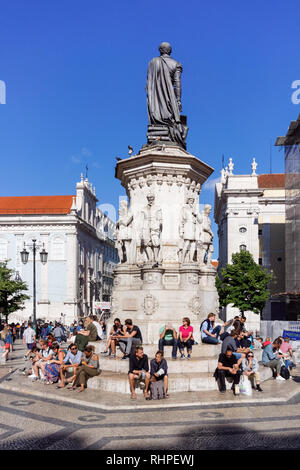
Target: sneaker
[(43, 380), (258, 388), (31, 376), (182, 356), (280, 378), (222, 391), (112, 355), (236, 390), (125, 356), (105, 353), (189, 356), (34, 379)]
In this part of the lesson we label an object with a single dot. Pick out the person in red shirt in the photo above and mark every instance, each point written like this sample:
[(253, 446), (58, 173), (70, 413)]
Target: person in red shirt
[(185, 338)]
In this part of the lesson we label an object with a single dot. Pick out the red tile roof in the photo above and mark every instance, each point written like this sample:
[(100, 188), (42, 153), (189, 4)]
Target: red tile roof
[(276, 180), (36, 205)]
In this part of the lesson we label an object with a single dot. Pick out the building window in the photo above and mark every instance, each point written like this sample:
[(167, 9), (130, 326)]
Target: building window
[(279, 259), (260, 261), (243, 230), (243, 248), (260, 231), (3, 250)]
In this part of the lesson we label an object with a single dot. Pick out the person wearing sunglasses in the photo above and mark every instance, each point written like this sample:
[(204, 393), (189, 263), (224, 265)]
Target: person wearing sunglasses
[(250, 370), (71, 363)]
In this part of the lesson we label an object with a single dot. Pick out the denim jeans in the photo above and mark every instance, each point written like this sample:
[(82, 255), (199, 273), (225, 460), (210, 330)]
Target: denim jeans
[(209, 339), (189, 343), (172, 342)]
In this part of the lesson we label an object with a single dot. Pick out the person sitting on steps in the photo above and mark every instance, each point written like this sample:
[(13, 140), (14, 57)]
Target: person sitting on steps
[(139, 371), (131, 337), (159, 370)]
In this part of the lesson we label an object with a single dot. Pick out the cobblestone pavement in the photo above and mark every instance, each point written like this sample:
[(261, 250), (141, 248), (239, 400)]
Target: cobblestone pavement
[(38, 421)]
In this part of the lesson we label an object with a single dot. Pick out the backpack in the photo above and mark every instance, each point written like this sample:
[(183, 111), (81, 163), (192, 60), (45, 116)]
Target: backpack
[(157, 390), (284, 372)]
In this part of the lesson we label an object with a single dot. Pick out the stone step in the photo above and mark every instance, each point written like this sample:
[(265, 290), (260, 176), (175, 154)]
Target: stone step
[(179, 366), (199, 350), (201, 381)]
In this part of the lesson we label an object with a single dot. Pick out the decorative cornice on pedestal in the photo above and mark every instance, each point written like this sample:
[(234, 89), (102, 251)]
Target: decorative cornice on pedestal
[(163, 166)]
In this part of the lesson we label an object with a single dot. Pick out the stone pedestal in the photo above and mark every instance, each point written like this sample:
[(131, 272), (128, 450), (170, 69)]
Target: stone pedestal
[(163, 289)]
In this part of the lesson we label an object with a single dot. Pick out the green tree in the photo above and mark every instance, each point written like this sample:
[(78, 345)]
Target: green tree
[(244, 284), (12, 295)]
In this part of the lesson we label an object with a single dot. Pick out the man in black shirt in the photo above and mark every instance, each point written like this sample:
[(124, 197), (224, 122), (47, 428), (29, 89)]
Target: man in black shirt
[(139, 370), (132, 337), (228, 367)]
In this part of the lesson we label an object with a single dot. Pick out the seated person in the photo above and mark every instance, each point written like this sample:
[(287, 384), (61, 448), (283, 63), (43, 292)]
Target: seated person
[(228, 367), (230, 343), (209, 332), (71, 363), (98, 326), (44, 355), (86, 335), (266, 342), (168, 337), (159, 370), (185, 338), (89, 368), (250, 369), (139, 370), (243, 326), (131, 337), (271, 358), (113, 340), (235, 324), (52, 368)]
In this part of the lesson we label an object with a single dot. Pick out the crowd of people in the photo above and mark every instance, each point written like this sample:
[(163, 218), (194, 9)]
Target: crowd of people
[(64, 356)]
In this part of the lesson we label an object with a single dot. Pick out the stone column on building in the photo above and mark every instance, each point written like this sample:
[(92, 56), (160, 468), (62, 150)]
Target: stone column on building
[(44, 299), (71, 270)]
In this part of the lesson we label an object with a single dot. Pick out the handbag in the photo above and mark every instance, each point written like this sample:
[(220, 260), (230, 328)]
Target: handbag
[(245, 386)]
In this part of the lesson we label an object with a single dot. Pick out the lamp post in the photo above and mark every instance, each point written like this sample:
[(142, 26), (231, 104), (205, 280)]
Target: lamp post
[(24, 257)]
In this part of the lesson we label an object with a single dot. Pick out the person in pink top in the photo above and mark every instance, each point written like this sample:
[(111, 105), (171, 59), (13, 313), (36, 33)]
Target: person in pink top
[(185, 338), (287, 351)]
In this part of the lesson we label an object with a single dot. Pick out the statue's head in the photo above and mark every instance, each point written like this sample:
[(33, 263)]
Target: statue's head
[(165, 48), (207, 208), (150, 198), (190, 200)]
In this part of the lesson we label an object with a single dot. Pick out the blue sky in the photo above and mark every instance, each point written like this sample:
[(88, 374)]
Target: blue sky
[(75, 77)]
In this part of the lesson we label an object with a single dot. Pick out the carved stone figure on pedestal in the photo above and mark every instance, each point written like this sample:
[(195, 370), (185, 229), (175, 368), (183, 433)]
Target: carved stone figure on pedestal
[(206, 241), (125, 243), (164, 99), (187, 230), (151, 230)]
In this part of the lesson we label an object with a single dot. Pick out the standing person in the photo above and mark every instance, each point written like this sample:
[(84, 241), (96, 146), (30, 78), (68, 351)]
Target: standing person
[(185, 338), (168, 337), (159, 370), (271, 358), (250, 369), (58, 333), (209, 332), (139, 370), (89, 368), (228, 367), (132, 336), (29, 339), (10, 338), (5, 337)]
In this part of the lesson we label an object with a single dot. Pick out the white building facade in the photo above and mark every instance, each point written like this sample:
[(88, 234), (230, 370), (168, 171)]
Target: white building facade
[(79, 239), (250, 213)]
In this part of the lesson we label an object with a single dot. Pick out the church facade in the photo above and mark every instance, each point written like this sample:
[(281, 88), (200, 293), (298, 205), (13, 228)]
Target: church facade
[(250, 213)]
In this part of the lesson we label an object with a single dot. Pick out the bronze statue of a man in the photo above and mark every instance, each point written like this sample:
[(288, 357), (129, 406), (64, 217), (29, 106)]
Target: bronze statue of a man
[(164, 98)]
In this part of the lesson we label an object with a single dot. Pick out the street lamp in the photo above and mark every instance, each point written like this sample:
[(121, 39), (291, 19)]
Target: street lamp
[(24, 257)]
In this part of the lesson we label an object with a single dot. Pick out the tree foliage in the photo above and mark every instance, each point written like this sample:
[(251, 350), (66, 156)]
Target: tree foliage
[(244, 284), (12, 295)]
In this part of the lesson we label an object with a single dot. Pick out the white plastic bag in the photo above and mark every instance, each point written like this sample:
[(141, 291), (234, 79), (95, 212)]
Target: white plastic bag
[(245, 386)]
